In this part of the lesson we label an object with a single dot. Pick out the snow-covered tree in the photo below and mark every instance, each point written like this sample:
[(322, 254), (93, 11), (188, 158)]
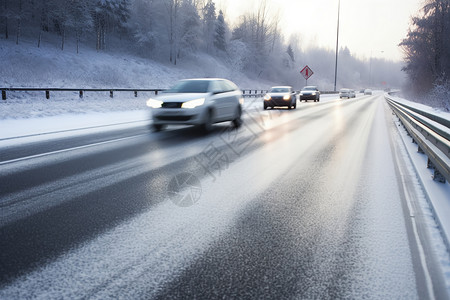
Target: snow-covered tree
[(80, 18), (259, 31), (427, 46), (209, 22), (190, 28), (173, 7), (108, 16), (5, 15), (220, 33)]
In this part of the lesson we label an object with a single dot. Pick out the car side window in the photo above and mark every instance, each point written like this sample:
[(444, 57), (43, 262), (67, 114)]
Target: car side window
[(216, 87), (227, 86)]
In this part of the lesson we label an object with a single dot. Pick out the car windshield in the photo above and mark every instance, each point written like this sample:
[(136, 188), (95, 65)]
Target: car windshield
[(280, 90), (309, 88), (190, 86)]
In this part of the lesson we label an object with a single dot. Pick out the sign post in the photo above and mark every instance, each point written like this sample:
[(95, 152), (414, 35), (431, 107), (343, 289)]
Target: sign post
[(306, 72)]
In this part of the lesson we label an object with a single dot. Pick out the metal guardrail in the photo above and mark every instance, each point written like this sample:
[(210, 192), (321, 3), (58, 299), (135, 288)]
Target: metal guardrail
[(430, 132), (246, 93), (80, 91), (256, 93)]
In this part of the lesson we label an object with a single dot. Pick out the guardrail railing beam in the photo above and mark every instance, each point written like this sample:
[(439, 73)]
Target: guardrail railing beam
[(432, 140)]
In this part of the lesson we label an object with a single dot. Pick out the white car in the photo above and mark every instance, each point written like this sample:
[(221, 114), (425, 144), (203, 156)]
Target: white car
[(367, 92), (347, 93), (202, 102)]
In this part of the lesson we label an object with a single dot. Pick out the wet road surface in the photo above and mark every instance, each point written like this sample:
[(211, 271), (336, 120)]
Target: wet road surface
[(296, 204)]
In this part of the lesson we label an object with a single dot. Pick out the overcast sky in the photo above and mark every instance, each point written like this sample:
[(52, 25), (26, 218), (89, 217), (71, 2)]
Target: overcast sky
[(369, 28)]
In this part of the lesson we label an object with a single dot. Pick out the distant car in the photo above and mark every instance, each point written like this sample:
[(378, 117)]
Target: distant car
[(280, 96), (310, 93), (367, 92), (202, 102), (347, 93)]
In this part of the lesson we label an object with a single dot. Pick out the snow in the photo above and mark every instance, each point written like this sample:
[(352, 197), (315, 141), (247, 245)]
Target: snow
[(96, 270), (28, 116), (434, 197)]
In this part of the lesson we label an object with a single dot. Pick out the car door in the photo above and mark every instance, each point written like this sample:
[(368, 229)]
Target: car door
[(218, 99), (230, 98)]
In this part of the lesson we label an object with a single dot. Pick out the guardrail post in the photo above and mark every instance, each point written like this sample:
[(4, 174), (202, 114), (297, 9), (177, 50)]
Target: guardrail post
[(81, 94), (3, 94), (111, 94), (135, 93), (47, 94), (437, 176), (156, 92), (429, 164)]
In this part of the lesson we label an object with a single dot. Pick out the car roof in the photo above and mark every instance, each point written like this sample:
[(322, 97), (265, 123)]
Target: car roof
[(203, 79), (282, 86)]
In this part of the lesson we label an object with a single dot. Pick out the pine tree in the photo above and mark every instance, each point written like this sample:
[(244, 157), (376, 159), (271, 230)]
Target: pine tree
[(209, 21), (427, 46), (220, 32)]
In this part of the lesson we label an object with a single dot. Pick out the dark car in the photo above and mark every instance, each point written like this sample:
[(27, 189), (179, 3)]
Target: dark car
[(310, 93), (280, 96)]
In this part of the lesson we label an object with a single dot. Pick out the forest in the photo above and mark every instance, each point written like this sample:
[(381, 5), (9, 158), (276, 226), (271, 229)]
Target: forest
[(427, 51), (174, 31)]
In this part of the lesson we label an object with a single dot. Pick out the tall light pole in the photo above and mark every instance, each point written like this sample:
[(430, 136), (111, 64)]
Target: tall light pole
[(337, 46)]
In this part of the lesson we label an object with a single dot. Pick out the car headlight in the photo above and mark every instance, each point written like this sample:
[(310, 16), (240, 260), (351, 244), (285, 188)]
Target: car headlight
[(154, 103), (267, 97), (241, 100), (287, 97), (193, 103)]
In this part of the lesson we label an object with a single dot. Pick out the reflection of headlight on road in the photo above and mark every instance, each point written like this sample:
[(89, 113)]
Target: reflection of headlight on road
[(286, 97), (193, 103), (267, 97), (154, 103)]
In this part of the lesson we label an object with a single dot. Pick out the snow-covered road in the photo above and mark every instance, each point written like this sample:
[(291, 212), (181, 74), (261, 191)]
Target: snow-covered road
[(313, 203)]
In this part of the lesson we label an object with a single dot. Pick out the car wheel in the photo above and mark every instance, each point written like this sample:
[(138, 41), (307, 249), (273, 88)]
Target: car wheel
[(265, 106), (295, 105), (208, 124), (157, 127), (237, 122)]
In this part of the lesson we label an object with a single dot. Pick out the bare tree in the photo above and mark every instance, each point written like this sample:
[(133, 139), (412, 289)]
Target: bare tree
[(172, 11)]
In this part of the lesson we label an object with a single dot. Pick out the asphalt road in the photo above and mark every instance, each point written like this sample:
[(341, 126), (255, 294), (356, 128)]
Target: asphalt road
[(299, 204)]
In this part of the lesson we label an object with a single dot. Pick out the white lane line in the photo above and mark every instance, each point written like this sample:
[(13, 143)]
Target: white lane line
[(67, 150)]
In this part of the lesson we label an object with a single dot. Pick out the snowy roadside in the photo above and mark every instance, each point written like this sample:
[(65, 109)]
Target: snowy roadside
[(433, 197)]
